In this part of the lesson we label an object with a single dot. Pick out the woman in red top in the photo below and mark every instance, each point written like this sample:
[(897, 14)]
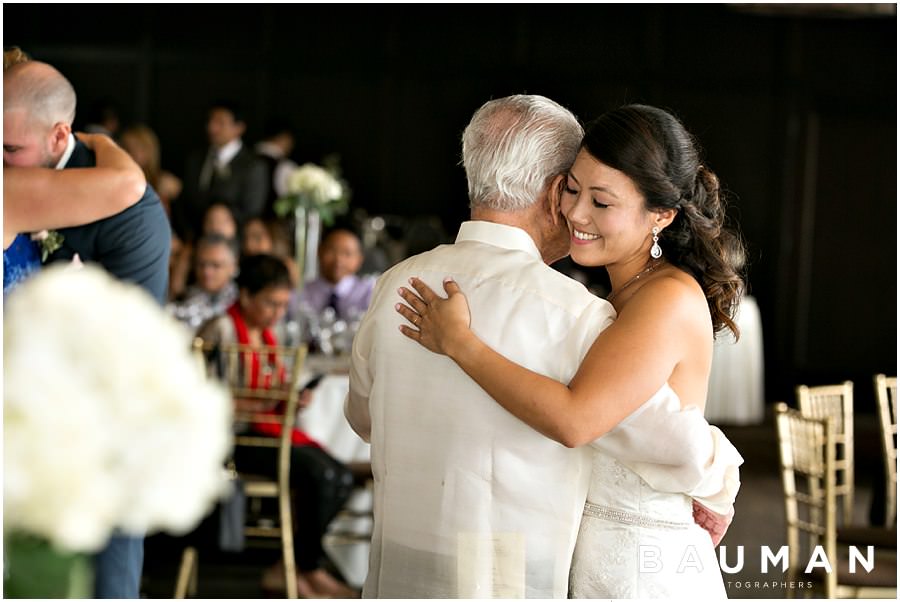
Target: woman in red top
[(320, 484)]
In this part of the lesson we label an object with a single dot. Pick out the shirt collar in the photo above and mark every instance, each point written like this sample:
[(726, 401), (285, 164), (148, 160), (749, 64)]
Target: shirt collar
[(269, 149), (344, 285), (70, 148), (225, 154), (498, 235)]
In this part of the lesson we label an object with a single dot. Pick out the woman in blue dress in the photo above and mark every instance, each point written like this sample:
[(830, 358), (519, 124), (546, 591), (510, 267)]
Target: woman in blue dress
[(39, 198)]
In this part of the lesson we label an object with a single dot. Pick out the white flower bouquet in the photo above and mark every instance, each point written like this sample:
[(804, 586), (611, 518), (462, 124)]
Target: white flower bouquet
[(109, 422), (315, 187)]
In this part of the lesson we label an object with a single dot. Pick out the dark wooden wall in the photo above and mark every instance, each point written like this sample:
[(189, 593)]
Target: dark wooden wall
[(796, 112)]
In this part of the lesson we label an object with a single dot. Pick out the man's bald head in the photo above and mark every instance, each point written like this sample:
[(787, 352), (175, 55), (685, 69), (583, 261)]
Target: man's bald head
[(38, 111), (41, 90)]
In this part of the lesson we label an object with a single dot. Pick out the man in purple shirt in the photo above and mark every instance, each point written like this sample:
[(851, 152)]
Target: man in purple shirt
[(338, 286)]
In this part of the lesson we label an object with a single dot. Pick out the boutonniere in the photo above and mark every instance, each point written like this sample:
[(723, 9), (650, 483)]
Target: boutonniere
[(50, 241)]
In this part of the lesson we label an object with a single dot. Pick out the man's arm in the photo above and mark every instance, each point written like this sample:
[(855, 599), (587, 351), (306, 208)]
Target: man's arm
[(356, 405), (37, 198)]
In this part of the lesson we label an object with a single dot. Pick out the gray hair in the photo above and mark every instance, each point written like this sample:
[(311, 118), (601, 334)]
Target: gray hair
[(514, 146), (41, 90), (214, 239)]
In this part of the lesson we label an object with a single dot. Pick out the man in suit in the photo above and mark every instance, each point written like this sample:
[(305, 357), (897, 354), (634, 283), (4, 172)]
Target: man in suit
[(227, 172), (38, 110), (275, 150)]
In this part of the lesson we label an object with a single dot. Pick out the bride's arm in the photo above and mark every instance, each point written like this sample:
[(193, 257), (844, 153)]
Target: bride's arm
[(38, 198), (626, 365)]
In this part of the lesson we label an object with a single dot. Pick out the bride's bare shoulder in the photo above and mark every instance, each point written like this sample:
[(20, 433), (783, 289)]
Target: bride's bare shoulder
[(672, 294)]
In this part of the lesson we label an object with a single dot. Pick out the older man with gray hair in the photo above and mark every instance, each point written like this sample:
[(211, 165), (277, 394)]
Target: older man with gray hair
[(469, 501)]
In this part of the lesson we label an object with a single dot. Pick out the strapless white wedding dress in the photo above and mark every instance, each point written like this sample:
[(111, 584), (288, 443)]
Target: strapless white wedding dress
[(637, 537)]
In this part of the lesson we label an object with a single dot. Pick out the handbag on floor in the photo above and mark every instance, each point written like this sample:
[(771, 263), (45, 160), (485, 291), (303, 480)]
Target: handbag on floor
[(232, 514)]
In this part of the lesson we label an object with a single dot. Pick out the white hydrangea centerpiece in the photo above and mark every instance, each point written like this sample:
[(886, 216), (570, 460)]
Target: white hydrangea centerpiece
[(315, 187), (109, 422)]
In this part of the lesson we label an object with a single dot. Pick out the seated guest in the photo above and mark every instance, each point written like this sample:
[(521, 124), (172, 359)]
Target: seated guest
[(215, 267), (219, 219), (320, 484), (256, 239), (338, 286), (267, 236)]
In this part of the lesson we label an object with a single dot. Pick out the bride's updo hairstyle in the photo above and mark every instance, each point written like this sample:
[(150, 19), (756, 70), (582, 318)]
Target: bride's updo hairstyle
[(654, 149)]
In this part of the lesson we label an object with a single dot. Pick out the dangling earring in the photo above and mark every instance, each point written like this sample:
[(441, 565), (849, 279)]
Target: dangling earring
[(655, 250)]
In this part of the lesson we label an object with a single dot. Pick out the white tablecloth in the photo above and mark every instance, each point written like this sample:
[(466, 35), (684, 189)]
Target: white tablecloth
[(736, 394), (324, 420)]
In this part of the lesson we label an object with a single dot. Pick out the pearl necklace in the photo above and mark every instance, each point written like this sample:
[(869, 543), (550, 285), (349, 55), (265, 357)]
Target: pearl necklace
[(650, 267)]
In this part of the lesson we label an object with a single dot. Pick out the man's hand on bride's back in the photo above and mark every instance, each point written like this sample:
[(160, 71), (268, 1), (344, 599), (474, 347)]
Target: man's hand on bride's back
[(440, 324), (715, 524)]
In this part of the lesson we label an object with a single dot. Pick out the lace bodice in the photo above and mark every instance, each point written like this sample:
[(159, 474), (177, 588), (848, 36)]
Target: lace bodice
[(617, 491), (638, 529)]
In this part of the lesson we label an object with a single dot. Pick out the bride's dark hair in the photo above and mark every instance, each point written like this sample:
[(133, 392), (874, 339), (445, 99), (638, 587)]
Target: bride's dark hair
[(654, 149)]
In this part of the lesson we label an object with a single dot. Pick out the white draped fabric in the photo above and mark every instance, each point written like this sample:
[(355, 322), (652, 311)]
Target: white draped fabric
[(324, 420), (736, 394), (638, 538)]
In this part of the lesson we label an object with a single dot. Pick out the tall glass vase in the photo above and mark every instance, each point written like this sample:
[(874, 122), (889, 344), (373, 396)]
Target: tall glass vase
[(307, 232)]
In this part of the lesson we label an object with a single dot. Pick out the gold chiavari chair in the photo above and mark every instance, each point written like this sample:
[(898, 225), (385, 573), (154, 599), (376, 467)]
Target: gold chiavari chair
[(835, 402), (886, 396), (807, 451), (264, 384)]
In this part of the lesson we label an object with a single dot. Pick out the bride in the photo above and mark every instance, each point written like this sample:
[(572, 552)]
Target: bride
[(639, 202)]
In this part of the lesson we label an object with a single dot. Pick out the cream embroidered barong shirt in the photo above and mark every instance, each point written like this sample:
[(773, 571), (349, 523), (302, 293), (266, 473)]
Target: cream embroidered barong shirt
[(469, 500)]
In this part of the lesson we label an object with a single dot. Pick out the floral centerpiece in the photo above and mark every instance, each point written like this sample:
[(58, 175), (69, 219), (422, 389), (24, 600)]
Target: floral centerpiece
[(109, 423), (315, 194)]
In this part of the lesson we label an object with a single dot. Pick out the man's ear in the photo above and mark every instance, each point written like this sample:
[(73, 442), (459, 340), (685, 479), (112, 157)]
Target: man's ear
[(554, 198), (59, 137)]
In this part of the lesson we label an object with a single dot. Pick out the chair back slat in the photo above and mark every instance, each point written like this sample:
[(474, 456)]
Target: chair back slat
[(886, 397), (835, 402), (807, 457)]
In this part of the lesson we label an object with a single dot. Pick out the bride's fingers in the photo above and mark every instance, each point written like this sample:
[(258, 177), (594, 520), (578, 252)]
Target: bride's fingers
[(410, 333), (450, 286), (407, 313), (410, 297), (424, 290)]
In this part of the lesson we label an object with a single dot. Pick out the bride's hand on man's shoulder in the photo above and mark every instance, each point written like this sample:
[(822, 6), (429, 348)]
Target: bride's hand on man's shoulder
[(89, 140), (440, 324)]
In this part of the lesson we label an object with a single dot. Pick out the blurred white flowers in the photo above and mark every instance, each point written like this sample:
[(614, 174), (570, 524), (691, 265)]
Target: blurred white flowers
[(108, 420), (317, 182), (314, 187)]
